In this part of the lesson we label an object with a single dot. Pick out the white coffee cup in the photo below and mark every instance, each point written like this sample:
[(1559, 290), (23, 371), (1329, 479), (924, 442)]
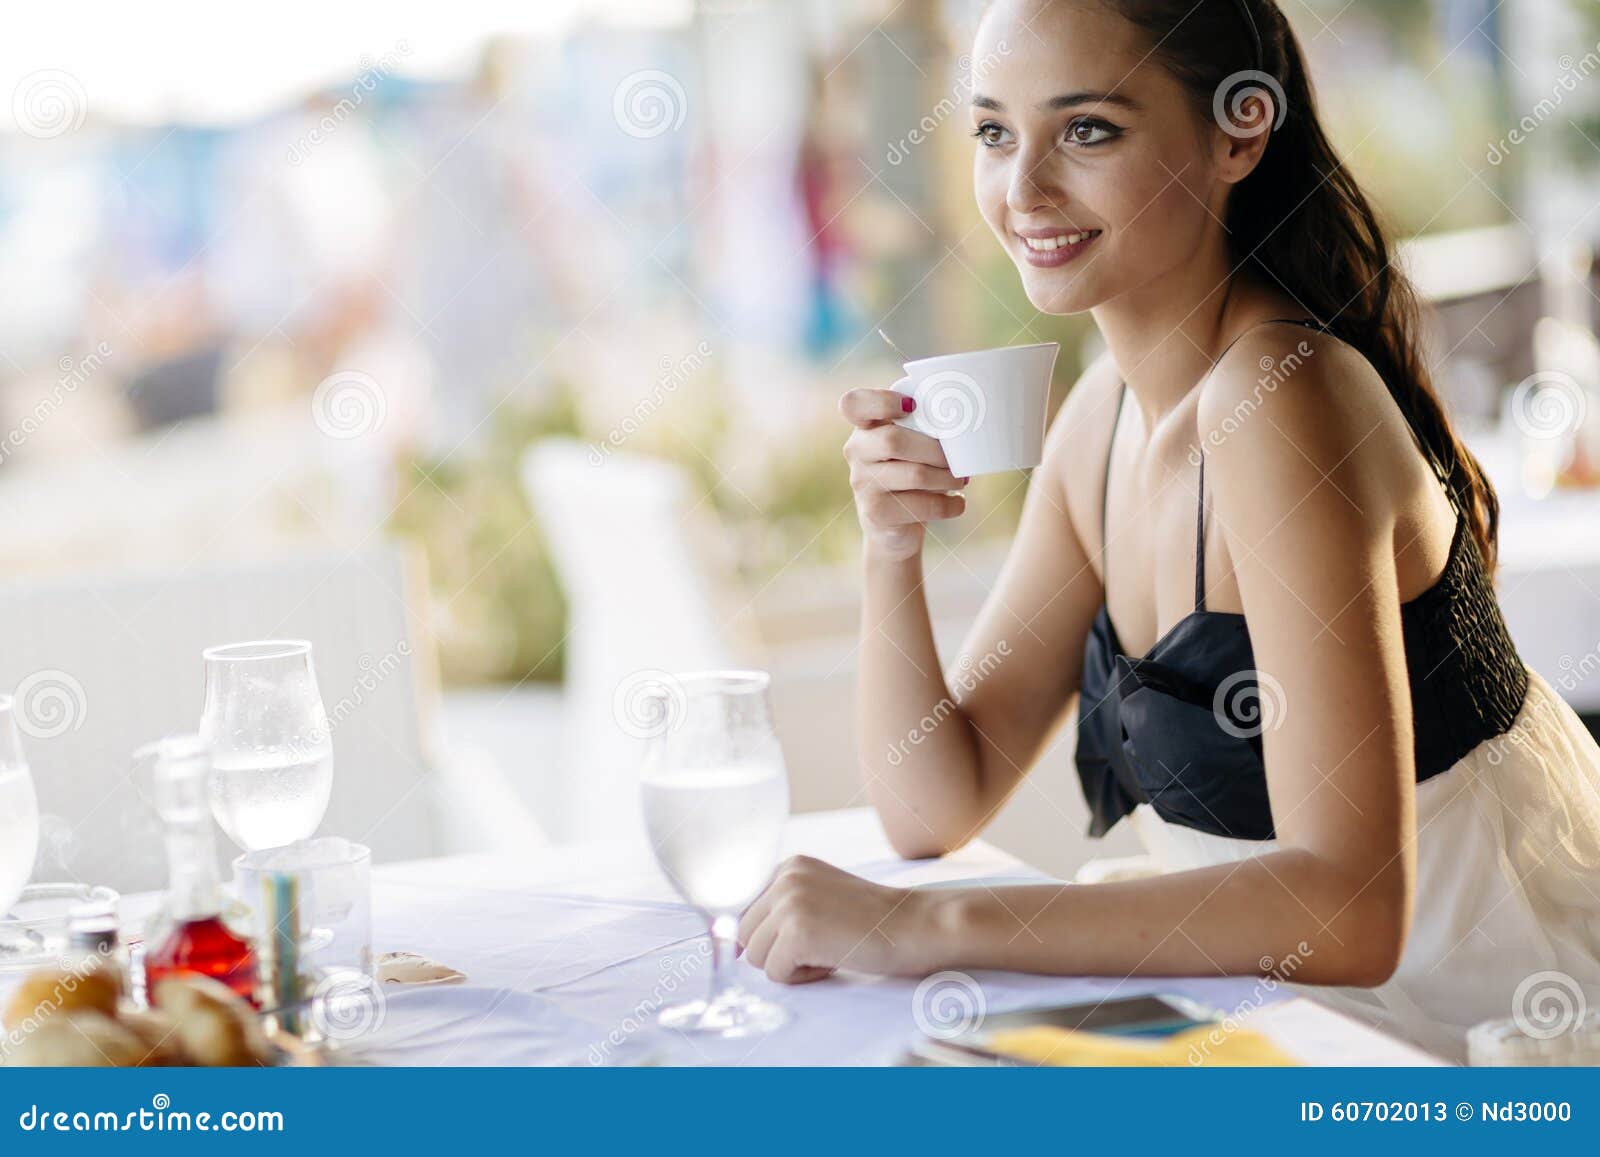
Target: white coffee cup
[(986, 408)]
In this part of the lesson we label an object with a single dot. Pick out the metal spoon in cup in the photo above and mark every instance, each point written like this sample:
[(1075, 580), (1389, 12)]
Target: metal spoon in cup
[(889, 341)]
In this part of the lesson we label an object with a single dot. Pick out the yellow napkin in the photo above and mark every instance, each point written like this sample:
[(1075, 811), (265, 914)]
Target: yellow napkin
[(1204, 1045)]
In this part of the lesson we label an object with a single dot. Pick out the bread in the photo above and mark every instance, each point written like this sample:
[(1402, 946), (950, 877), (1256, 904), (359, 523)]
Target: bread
[(54, 991), (213, 1025), (158, 1032), (85, 1039), (69, 1018)]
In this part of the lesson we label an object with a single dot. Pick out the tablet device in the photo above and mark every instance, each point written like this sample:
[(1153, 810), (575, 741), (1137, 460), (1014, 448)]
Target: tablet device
[(1146, 1016)]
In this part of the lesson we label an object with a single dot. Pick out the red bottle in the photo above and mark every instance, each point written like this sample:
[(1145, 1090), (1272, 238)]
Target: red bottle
[(192, 938), (203, 946)]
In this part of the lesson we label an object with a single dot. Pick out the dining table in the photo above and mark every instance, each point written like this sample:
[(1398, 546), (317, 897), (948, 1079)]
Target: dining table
[(570, 951), (567, 953)]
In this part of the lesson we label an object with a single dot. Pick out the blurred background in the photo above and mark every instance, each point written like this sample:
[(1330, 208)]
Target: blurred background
[(495, 348)]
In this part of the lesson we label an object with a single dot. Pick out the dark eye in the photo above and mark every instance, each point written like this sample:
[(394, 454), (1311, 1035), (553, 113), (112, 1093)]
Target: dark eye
[(1087, 132), (991, 134)]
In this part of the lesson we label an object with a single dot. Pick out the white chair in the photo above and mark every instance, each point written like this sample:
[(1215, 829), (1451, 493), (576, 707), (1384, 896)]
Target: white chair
[(646, 571), (104, 664), (246, 485)]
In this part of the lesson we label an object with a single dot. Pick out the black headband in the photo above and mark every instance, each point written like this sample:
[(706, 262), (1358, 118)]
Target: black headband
[(1255, 33)]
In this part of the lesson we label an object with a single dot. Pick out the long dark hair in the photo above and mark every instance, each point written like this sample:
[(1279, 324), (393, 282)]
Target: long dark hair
[(1302, 221)]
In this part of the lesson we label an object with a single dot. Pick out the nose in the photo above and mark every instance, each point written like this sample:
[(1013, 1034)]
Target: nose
[(1030, 188)]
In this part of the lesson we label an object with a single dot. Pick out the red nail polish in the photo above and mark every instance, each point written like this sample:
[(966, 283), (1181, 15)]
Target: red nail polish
[(908, 404)]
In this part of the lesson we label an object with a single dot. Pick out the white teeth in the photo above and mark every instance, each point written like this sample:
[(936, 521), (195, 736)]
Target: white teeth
[(1046, 244)]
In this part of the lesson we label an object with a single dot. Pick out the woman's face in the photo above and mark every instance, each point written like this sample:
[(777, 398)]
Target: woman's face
[(1083, 134)]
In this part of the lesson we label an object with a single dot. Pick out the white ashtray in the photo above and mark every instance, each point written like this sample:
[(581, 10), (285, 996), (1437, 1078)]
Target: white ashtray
[(36, 931)]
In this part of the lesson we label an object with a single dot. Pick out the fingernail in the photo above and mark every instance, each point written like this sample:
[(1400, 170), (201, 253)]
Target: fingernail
[(963, 481), (908, 404)]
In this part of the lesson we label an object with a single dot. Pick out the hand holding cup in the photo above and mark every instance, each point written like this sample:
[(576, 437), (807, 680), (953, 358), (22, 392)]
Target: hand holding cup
[(949, 418), (900, 476)]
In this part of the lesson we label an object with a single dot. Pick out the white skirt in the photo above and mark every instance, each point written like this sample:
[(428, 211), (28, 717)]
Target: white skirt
[(1507, 914)]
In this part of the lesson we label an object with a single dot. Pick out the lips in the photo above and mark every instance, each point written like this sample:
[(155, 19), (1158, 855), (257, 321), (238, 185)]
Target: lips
[(1047, 248)]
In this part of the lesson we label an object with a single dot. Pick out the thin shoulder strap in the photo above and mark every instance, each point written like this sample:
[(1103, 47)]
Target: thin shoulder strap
[(1200, 541), (1200, 503), (1105, 486)]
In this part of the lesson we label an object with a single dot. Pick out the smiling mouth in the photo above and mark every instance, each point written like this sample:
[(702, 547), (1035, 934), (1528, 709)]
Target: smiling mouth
[(1057, 248)]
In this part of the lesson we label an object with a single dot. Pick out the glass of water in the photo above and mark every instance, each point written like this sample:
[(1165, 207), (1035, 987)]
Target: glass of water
[(716, 798), (270, 740), (19, 811)]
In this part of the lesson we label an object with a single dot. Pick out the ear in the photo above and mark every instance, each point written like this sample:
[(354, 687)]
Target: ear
[(1245, 120)]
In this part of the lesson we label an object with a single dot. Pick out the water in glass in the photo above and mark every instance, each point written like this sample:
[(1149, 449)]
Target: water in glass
[(270, 740), (716, 797)]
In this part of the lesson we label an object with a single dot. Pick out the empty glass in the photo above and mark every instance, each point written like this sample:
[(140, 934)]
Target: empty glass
[(268, 733), (331, 882), (19, 811), (335, 890), (716, 798)]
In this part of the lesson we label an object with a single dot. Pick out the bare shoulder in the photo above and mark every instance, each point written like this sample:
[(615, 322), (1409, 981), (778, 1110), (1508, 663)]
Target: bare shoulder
[(1289, 410), (1075, 448), (1076, 443), (1289, 376)]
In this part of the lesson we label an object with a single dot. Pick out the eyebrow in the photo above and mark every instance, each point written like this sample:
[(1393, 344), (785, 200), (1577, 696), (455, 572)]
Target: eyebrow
[(1065, 100)]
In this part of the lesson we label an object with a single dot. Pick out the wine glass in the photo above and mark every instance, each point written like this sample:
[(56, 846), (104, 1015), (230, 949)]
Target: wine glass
[(19, 811), (716, 797), (270, 742)]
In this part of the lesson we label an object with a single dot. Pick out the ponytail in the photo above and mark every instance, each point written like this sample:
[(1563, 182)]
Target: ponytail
[(1301, 220)]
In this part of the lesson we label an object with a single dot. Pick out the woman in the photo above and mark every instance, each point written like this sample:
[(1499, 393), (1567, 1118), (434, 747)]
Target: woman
[(1254, 495)]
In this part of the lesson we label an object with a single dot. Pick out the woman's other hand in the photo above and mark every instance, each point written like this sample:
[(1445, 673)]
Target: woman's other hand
[(814, 918)]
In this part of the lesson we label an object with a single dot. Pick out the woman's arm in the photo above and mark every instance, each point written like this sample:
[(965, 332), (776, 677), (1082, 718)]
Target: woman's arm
[(1308, 512), (940, 753), (1306, 491)]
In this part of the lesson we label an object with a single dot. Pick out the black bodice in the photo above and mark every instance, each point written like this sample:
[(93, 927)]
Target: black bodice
[(1180, 727)]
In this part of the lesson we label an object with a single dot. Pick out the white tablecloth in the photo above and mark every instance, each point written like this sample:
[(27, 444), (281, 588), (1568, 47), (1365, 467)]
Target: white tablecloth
[(570, 952)]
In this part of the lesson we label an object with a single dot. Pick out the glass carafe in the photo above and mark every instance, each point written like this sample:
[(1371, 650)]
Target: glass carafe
[(189, 936)]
